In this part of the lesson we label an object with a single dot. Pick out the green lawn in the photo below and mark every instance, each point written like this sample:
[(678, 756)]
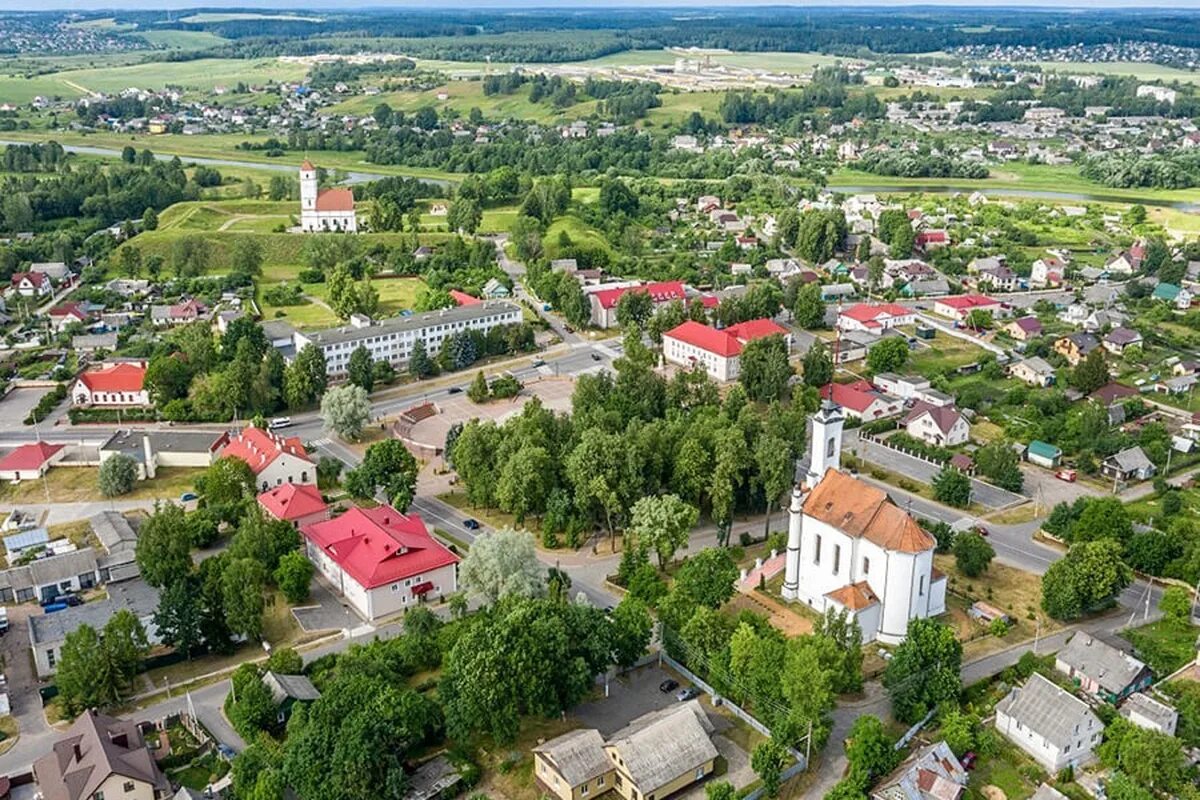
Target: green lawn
[(1165, 645), (1004, 770), (580, 232), (943, 354)]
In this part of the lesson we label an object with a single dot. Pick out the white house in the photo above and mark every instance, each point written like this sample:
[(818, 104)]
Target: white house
[(1047, 271), (875, 318), (112, 385), (906, 387), (381, 561), (1049, 723), (718, 351), (273, 459), (324, 209), (30, 461), (851, 548), (959, 307), (1035, 371), (942, 426), (1144, 711)]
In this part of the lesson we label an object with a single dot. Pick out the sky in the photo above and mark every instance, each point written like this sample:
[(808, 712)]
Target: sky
[(492, 4)]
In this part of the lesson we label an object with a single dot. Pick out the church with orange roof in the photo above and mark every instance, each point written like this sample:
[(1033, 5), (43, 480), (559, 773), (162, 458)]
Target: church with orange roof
[(324, 210), (851, 549)]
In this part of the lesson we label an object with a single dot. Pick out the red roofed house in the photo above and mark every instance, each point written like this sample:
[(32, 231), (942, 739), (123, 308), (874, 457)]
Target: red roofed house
[(875, 318), (298, 503), (941, 426), (464, 299), (112, 385), (604, 302), (931, 240), (718, 351), (380, 560), (862, 400), (32, 284), (959, 306), (273, 459), (324, 209), (30, 461), (64, 314)]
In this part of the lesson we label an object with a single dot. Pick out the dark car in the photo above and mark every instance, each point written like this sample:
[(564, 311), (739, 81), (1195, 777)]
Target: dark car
[(471, 524), (69, 599), (968, 760), (596, 356), (687, 694), (668, 686), (454, 390)]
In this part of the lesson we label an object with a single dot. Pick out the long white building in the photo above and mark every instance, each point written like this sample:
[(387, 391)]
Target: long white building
[(850, 548), (393, 339)]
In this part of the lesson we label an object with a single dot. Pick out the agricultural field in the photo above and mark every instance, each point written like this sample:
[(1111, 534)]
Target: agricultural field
[(1012, 178), (462, 96), (200, 75), (181, 40)]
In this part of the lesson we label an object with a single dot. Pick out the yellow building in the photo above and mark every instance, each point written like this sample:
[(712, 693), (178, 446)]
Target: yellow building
[(653, 757)]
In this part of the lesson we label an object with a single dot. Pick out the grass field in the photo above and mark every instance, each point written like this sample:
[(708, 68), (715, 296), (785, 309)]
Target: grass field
[(1014, 177), (78, 485), (234, 16), (1149, 72), (462, 96), (202, 74), (580, 232), (181, 40)]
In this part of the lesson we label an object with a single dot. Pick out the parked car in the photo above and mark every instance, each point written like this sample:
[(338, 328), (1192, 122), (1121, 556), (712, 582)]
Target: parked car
[(454, 390), (981, 530), (1068, 475), (668, 686), (687, 694), (596, 357), (471, 524), (968, 759), (226, 751), (70, 599), (188, 497)]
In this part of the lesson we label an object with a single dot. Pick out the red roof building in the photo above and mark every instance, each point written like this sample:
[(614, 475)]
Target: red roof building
[(692, 343), (298, 503), (380, 560), (604, 302), (862, 400), (119, 384), (958, 307), (875, 317), (464, 299), (30, 461), (335, 200), (274, 460)]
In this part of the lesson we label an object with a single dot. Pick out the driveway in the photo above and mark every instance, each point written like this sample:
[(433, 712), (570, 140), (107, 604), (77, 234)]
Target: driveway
[(636, 693), (36, 734), (903, 464)]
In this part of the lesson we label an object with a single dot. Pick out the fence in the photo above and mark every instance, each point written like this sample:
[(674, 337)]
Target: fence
[(737, 711)]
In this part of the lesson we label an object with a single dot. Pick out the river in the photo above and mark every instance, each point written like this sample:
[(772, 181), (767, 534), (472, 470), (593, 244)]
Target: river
[(352, 176), (359, 176)]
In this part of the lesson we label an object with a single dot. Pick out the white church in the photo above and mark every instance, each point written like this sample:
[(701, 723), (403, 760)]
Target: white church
[(323, 210), (851, 548)]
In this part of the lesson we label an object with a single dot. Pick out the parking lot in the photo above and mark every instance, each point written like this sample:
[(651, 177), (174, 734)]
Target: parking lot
[(555, 394), (17, 404), (325, 611), (636, 693)]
